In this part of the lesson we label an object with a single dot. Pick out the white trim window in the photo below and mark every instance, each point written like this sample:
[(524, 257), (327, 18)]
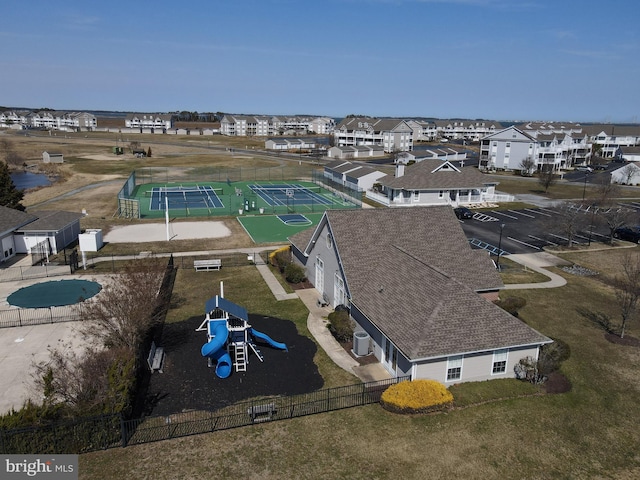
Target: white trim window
[(454, 368), (499, 364)]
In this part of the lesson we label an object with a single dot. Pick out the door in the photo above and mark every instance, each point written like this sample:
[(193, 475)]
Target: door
[(390, 360), (338, 291), (320, 276)]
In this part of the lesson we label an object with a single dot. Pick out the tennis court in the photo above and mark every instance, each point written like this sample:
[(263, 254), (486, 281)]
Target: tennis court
[(143, 196), (179, 197), (289, 194)]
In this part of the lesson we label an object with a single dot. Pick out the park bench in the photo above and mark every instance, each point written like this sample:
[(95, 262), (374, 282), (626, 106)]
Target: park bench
[(155, 358), (214, 264), (261, 413)]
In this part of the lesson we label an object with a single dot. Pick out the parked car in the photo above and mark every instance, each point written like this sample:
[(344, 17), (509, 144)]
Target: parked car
[(584, 168), (463, 213), (630, 234), (600, 167)]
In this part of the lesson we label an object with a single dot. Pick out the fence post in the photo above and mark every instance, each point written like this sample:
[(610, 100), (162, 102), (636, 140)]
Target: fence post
[(50, 315)]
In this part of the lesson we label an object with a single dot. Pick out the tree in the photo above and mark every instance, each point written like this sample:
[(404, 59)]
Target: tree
[(91, 383), (547, 179), (127, 308), (149, 152), (10, 196), (605, 208), (569, 221), (628, 173), (627, 289), (527, 165)]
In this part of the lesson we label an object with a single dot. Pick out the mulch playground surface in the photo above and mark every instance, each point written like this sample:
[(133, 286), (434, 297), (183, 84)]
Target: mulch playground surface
[(187, 383)]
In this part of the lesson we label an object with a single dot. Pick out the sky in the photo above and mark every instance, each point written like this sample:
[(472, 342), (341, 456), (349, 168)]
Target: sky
[(545, 60)]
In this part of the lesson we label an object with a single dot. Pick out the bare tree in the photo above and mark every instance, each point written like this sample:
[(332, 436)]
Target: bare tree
[(126, 309), (547, 179), (527, 166), (627, 288), (606, 211), (628, 172), (569, 221), (83, 384)]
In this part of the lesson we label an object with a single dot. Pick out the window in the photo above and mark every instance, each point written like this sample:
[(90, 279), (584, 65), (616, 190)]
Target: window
[(499, 362), (329, 241), (454, 368)]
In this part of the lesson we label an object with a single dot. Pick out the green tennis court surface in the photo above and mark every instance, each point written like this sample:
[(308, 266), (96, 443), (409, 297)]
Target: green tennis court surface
[(273, 228), (207, 199)]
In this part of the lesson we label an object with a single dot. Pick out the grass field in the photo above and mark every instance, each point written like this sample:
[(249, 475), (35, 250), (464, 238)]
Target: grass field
[(589, 432)]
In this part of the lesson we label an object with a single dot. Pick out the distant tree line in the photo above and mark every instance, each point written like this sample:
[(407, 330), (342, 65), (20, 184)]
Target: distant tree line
[(187, 116)]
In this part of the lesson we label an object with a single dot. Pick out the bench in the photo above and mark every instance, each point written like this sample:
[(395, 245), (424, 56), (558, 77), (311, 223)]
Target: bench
[(155, 358), (214, 264), (261, 413)]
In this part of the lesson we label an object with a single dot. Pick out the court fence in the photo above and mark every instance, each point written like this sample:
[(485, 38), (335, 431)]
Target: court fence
[(114, 430), (233, 193)]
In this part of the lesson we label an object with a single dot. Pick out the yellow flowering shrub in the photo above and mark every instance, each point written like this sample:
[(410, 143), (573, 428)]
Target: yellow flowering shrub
[(418, 396), (273, 255)]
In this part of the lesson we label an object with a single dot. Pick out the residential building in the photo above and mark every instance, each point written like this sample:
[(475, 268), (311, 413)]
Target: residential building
[(355, 176), (434, 182), (549, 149), (609, 138), (393, 135), (44, 232), (152, 121), (417, 293), (359, 151)]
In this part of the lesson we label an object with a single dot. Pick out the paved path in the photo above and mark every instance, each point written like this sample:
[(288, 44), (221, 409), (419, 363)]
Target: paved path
[(537, 262)]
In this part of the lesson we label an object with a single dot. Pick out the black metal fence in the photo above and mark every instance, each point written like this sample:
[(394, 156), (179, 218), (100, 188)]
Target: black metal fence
[(109, 431), (18, 273)]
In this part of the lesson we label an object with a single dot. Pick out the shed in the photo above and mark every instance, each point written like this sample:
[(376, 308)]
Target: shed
[(50, 157)]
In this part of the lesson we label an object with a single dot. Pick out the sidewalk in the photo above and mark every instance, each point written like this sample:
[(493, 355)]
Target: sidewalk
[(537, 262)]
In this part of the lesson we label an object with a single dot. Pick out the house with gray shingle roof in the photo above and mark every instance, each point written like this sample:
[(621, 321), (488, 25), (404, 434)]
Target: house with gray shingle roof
[(417, 291), (24, 233), (434, 182)]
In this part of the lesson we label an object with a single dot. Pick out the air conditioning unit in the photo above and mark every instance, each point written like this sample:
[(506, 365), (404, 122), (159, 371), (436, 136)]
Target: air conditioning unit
[(361, 343)]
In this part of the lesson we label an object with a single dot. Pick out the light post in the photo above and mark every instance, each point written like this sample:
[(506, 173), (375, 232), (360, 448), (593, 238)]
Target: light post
[(584, 188), (499, 246), (593, 212)]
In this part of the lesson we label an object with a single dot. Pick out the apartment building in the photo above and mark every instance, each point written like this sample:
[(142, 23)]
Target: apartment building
[(394, 135)]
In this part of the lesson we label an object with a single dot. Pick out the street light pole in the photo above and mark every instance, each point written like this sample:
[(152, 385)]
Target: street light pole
[(499, 246), (584, 188)]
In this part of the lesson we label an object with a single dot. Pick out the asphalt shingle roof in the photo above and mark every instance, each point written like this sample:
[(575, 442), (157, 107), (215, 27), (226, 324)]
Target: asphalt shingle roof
[(424, 176), (412, 272)]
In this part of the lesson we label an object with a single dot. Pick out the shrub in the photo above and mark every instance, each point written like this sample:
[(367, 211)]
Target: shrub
[(551, 357), (419, 396), (280, 258), (511, 304), (294, 273), (340, 325)]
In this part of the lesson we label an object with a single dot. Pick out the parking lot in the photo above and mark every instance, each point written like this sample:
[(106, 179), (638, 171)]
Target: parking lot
[(530, 230)]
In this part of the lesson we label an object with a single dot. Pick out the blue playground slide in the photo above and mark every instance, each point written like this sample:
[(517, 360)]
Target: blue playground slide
[(268, 339), (215, 348)]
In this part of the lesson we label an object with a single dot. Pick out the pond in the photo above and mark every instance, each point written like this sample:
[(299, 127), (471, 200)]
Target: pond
[(26, 180)]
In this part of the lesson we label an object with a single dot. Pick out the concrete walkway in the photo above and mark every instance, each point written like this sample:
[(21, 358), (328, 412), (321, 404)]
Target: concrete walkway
[(537, 262)]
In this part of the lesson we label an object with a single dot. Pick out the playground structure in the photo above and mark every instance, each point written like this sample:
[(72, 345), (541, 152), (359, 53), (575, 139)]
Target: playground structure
[(229, 333)]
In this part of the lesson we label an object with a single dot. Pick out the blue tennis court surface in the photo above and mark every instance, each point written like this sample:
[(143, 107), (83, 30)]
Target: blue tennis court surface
[(288, 194), (183, 197), (294, 219)]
